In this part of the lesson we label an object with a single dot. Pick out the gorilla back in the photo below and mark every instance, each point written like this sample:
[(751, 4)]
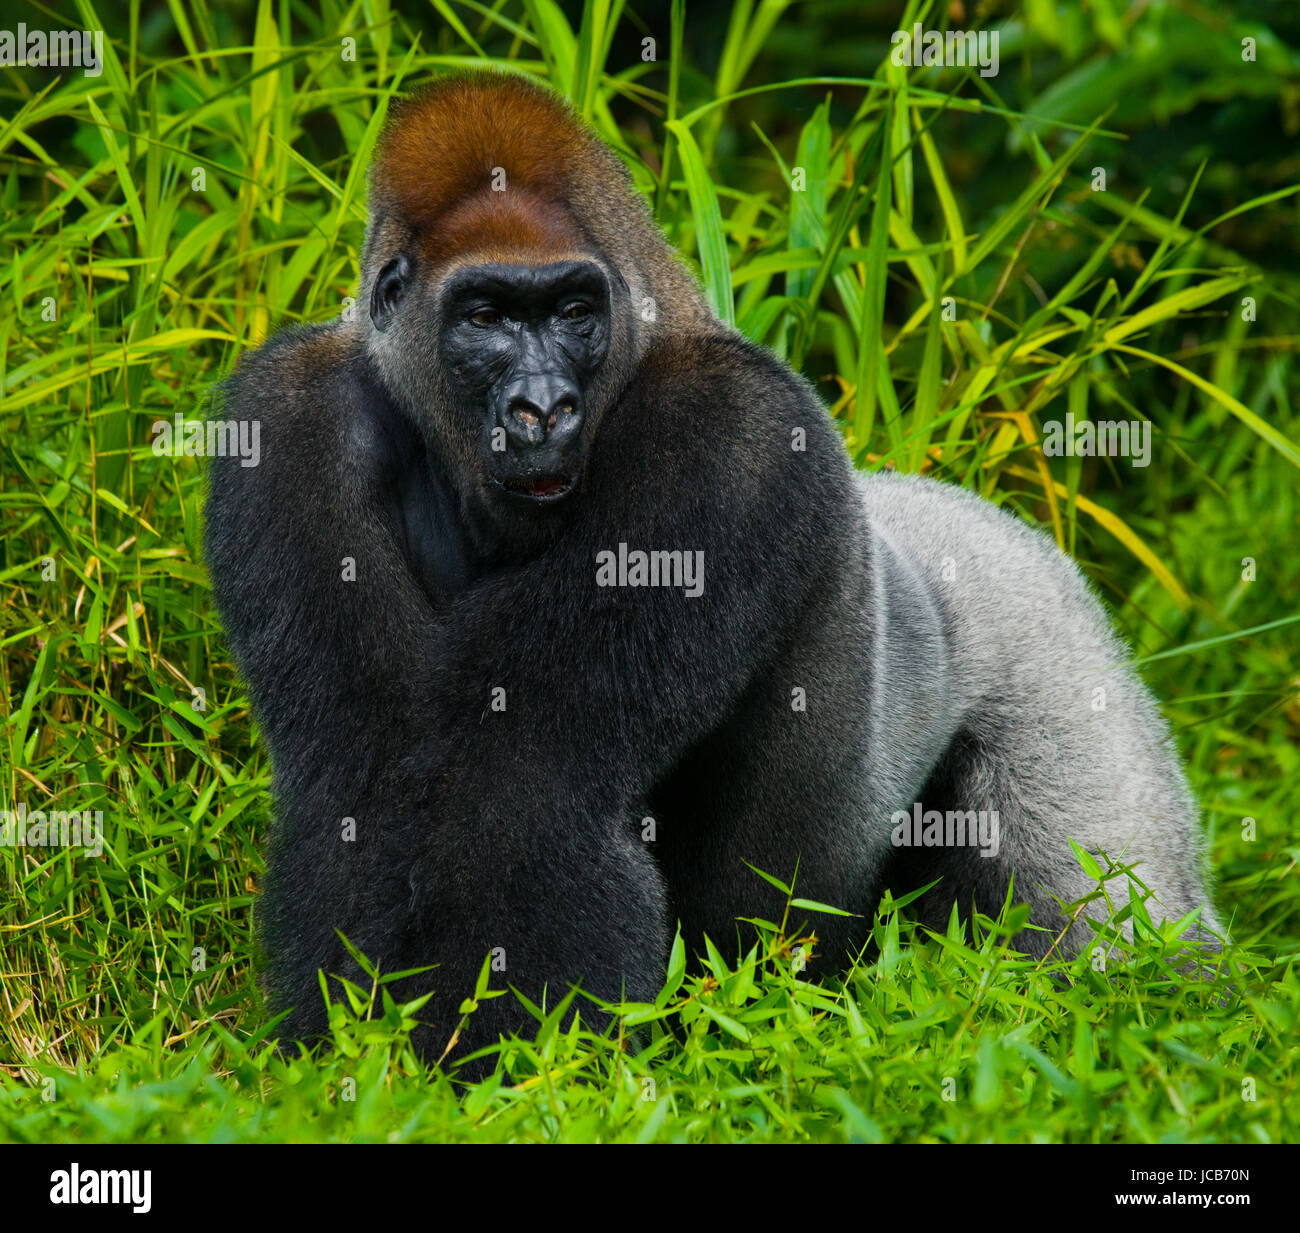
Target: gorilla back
[(539, 549)]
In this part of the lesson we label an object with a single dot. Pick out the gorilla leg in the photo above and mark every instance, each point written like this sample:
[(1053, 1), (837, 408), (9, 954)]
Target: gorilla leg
[(1004, 778), (1058, 735)]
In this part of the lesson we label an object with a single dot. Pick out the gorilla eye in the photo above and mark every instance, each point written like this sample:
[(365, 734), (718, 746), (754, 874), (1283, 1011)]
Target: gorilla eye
[(485, 316), (576, 311)]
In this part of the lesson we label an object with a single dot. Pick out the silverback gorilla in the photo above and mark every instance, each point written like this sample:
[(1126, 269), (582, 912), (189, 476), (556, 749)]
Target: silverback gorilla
[(538, 549)]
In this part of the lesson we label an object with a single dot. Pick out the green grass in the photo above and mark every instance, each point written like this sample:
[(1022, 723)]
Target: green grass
[(130, 1008)]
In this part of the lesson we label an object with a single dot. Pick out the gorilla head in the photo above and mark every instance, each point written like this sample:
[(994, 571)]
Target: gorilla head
[(512, 292)]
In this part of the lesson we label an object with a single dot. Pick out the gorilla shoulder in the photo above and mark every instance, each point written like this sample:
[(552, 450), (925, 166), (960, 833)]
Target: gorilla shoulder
[(721, 394), (314, 393)]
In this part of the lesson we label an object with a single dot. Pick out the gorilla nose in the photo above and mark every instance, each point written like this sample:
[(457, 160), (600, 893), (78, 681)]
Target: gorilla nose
[(542, 410)]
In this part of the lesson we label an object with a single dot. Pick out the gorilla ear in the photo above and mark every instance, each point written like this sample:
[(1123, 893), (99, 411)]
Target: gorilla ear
[(389, 289)]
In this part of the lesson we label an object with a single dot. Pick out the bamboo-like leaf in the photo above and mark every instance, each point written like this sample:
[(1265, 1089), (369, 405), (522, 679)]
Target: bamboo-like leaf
[(125, 180), (1020, 209), (872, 361), (1261, 428), (947, 200), (709, 238), (1172, 305)]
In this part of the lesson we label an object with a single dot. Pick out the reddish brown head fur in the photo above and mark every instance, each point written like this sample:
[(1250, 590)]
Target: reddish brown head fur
[(439, 157)]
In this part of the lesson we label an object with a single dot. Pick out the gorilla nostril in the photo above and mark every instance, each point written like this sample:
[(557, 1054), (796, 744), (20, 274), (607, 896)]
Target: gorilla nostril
[(532, 415), (525, 414)]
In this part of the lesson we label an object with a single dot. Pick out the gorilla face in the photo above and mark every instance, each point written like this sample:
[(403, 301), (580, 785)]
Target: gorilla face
[(522, 344), (519, 347)]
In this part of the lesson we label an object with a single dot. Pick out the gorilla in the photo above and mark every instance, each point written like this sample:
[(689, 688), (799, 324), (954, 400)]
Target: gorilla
[(561, 604)]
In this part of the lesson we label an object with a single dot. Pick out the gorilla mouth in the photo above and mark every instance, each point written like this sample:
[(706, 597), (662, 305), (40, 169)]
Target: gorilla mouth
[(544, 488)]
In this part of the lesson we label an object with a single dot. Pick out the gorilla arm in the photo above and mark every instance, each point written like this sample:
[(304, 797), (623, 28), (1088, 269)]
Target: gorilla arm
[(329, 629), (536, 842)]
